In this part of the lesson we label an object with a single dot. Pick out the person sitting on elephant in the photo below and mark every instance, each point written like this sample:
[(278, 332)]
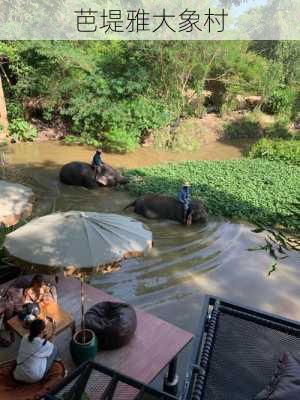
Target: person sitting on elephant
[(97, 162), (185, 199)]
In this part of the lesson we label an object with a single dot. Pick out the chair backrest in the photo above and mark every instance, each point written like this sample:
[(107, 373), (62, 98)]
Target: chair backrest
[(237, 355)]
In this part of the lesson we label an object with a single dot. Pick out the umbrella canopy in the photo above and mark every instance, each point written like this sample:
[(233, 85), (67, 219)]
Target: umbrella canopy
[(80, 240), (15, 203)]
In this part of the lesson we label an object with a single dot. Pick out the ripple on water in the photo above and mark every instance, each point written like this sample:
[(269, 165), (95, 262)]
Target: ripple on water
[(179, 255)]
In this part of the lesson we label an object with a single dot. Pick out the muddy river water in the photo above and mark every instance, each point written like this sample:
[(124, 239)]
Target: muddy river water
[(185, 263)]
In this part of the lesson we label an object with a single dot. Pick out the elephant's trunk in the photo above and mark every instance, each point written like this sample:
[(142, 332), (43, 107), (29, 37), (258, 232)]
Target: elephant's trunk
[(130, 205), (122, 180)]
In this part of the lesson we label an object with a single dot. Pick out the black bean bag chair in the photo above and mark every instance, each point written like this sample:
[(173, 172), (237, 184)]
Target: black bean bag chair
[(114, 324)]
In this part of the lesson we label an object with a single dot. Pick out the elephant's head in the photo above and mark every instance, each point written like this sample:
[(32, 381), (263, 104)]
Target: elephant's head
[(102, 180), (198, 214)]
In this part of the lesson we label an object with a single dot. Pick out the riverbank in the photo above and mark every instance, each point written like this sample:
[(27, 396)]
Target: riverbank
[(55, 154)]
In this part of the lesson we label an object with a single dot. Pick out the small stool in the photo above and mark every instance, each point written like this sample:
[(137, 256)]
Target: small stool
[(12, 389)]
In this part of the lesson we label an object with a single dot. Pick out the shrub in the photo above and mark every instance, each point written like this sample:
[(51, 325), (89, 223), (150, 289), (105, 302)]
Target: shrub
[(14, 110), (175, 140), (247, 127), (83, 139), (277, 150), (278, 129), (119, 141), (280, 101), (21, 131)]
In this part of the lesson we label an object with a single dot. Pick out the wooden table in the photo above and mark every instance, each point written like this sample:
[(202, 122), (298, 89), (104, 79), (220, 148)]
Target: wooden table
[(62, 319), (155, 345)]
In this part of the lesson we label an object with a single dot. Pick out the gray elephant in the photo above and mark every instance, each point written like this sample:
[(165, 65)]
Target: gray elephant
[(82, 174), (166, 207)]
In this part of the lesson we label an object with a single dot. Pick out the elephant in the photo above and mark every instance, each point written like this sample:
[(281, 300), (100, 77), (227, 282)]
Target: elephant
[(82, 174), (167, 207)]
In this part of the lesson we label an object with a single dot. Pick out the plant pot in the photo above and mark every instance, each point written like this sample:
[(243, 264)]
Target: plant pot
[(83, 346)]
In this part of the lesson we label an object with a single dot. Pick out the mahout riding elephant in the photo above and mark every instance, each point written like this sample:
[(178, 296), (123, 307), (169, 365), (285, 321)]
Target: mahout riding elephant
[(166, 207), (79, 173)]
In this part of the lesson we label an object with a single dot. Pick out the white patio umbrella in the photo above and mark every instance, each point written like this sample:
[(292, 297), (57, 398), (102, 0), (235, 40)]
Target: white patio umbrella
[(78, 242), (16, 202)]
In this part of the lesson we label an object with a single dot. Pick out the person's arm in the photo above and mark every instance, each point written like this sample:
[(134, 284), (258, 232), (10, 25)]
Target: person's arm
[(45, 350), (52, 328), (181, 196), (29, 296)]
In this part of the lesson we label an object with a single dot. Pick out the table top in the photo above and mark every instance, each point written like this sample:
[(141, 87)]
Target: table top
[(154, 345), (61, 317)]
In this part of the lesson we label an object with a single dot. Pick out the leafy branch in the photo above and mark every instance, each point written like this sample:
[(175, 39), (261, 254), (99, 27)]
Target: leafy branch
[(280, 241)]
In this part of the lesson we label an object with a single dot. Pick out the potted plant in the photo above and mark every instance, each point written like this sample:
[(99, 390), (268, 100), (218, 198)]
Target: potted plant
[(84, 344)]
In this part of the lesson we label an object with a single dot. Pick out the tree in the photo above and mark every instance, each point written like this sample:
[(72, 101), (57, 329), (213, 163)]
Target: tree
[(3, 114)]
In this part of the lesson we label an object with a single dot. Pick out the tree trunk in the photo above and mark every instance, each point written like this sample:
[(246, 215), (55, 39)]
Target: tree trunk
[(3, 114)]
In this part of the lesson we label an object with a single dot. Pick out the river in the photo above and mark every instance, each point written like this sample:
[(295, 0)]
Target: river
[(186, 262)]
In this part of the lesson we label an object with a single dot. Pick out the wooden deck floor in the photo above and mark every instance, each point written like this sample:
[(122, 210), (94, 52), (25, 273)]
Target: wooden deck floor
[(154, 345)]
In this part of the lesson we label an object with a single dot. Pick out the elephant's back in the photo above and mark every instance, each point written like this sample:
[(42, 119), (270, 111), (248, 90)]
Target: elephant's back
[(72, 173), (162, 206), (157, 200)]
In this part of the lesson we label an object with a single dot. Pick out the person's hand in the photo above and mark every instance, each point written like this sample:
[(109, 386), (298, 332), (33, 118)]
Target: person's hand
[(53, 327)]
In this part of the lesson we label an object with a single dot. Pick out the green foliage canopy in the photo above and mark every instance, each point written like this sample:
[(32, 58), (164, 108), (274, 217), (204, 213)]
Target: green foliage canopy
[(100, 88)]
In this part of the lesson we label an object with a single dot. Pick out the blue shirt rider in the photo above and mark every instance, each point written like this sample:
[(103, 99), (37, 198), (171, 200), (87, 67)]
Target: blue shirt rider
[(97, 162), (184, 197)]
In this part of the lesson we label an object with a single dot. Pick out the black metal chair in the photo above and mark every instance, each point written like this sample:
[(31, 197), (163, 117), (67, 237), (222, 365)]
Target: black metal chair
[(236, 351)]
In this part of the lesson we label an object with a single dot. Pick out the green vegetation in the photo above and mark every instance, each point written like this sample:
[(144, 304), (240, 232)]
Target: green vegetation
[(280, 101), (21, 131), (252, 190), (277, 150), (115, 94), (279, 130), (247, 127)]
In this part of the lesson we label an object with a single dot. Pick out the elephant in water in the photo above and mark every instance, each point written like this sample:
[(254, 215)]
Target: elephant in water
[(82, 174), (166, 207)]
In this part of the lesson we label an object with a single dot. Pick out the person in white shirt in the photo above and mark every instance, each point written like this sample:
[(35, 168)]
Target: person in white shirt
[(36, 354)]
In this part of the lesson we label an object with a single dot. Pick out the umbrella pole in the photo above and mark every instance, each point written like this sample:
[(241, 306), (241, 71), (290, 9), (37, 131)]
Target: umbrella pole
[(82, 307)]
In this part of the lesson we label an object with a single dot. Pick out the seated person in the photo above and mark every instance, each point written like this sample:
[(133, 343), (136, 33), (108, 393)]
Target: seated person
[(97, 162), (36, 354), (185, 199), (11, 303), (39, 292)]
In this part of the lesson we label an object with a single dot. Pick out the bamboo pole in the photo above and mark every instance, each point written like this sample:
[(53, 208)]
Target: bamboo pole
[(3, 114), (82, 297)]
